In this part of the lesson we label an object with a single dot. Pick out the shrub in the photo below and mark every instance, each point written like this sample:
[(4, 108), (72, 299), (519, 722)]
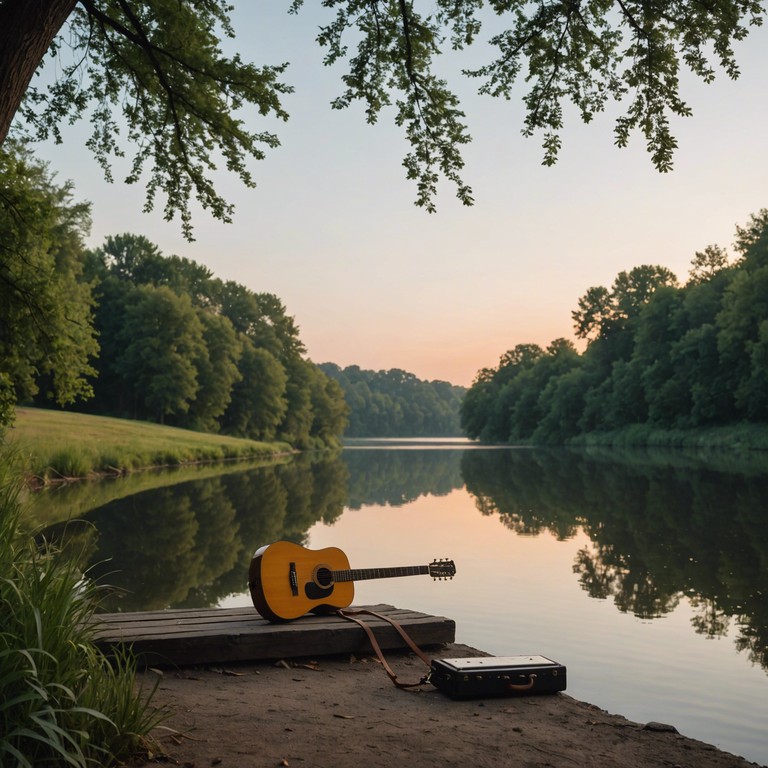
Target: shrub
[(69, 462)]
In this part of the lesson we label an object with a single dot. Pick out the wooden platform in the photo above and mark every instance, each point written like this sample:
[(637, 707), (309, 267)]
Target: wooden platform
[(187, 637)]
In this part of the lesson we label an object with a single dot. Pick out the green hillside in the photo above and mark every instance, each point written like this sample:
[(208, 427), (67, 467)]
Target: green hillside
[(54, 445)]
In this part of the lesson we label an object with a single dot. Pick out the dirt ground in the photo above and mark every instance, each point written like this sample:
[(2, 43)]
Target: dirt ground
[(345, 713)]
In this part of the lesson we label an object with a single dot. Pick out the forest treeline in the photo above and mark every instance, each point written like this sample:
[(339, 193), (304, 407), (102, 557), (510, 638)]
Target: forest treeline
[(123, 330), (395, 403), (659, 356), (180, 346)]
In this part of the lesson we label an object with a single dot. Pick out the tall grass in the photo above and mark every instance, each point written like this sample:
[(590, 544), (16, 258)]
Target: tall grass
[(62, 702)]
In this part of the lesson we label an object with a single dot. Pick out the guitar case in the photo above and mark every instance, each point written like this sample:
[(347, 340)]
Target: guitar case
[(486, 676)]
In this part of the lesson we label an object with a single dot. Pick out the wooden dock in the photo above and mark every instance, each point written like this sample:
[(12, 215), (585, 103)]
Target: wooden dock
[(183, 637)]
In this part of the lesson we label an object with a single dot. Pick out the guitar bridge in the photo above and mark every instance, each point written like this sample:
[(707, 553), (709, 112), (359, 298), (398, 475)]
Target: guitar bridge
[(294, 580)]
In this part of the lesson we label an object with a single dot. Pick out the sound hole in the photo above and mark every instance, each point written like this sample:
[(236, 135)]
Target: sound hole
[(323, 576)]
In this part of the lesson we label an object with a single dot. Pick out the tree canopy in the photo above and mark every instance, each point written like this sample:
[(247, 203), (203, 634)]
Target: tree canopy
[(152, 76)]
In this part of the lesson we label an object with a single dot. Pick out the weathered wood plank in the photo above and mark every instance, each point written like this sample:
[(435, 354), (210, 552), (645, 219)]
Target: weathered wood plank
[(188, 637)]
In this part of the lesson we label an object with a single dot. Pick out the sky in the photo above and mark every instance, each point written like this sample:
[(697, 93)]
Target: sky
[(374, 281)]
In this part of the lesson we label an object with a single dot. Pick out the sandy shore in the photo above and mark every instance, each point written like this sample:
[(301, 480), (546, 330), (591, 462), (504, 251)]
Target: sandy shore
[(336, 712)]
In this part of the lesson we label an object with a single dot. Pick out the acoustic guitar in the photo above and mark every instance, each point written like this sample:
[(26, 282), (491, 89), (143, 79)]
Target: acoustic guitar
[(287, 580)]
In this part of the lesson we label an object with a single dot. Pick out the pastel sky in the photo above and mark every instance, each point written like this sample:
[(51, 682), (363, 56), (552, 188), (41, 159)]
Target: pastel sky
[(373, 281)]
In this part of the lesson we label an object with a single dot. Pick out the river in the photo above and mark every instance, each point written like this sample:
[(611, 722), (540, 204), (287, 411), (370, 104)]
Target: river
[(644, 573)]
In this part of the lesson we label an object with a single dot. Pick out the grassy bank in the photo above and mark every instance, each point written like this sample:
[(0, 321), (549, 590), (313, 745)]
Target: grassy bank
[(59, 446), (739, 437), (58, 502)]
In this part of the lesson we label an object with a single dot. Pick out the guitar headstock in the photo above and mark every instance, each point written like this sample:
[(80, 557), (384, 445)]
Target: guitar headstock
[(442, 569)]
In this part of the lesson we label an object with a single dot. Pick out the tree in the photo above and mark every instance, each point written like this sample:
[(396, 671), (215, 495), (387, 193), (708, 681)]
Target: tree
[(258, 402), (329, 410), (157, 67), (562, 402), (707, 263), (609, 318), (752, 231), (217, 370), (741, 338), (561, 356), (47, 342), (633, 290), (594, 314), (163, 336), (667, 392)]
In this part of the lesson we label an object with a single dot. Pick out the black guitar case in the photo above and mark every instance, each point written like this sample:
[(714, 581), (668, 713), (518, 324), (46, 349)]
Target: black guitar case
[(484, 676)]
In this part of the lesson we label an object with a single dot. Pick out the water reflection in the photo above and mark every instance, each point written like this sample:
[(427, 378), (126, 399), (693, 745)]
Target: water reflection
[(397, 476), (660, 528), (190, 545)]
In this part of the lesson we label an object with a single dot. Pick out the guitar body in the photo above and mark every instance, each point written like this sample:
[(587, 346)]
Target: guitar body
[(287, 580)]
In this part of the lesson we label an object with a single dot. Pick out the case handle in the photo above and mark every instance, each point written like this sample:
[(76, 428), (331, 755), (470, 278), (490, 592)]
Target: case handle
[(525, 686)]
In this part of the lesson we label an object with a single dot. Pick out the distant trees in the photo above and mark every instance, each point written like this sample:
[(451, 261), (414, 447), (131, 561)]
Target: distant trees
[(659, 354), (396, 403), (507, 401), (182, 347)]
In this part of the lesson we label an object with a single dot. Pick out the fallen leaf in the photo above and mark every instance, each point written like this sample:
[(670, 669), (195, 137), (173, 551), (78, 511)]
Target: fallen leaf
[(282, 663), (344, 717)]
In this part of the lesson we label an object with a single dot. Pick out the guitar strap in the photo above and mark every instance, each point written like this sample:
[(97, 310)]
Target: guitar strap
[(352, 616)]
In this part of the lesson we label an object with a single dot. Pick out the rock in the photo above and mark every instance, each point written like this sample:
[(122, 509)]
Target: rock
[(660, 727)]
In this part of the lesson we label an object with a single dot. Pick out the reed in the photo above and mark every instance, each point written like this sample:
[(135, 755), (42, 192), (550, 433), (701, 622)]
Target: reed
[(64, 702)]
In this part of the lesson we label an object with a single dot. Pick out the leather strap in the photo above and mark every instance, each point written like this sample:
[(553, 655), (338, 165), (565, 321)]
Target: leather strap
[(352, 616)]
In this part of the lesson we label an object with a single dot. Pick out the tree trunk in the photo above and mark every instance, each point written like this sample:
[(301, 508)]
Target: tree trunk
[(27, 28)]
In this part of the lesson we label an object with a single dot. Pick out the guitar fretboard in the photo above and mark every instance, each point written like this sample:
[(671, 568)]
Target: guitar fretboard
[(358, 574)]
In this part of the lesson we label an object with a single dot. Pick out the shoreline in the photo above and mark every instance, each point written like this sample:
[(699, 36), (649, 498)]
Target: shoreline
[(343, 712)]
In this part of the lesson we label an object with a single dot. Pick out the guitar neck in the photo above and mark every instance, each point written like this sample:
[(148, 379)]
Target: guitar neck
[(360, 574)]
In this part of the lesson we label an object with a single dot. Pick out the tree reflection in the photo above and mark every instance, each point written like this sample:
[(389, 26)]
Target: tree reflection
[(190, 545), (660, 529), (394, 477)]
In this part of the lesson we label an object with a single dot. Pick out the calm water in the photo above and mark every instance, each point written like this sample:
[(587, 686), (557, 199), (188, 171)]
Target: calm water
[(645, 574)]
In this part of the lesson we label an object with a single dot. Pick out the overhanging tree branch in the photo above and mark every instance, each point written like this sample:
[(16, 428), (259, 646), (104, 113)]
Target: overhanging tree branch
[(582, 51)]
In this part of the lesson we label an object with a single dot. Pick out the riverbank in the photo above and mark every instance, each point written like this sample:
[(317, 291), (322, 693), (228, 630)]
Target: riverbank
[(739, 438), (56, 446), (344, 713)]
